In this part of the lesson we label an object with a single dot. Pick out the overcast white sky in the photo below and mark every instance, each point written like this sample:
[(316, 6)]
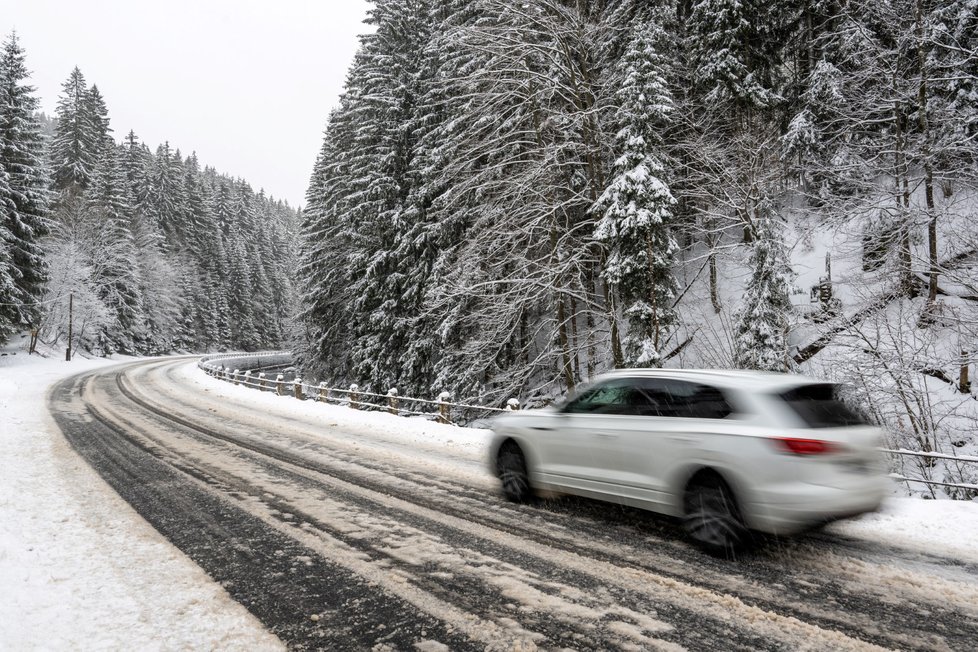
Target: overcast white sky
[(247, 84)]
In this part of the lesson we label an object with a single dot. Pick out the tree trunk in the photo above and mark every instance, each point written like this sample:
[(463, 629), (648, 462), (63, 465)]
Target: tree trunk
[(926, 156), (905, 260), (564, 344), (714, 292)]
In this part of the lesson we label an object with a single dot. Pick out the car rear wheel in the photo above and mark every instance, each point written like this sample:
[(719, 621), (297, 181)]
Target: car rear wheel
[(511, 467), (711, 516)]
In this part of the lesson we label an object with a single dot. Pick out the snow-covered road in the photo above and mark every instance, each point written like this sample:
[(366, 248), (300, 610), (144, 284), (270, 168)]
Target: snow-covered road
[(344, 530), (79, 569)]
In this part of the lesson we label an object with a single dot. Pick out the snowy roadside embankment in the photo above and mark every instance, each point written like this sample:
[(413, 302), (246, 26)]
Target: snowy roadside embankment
[(79, 569), (941, 527)]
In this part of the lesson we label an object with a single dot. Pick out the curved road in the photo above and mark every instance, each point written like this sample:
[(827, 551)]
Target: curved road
[(346, 540)]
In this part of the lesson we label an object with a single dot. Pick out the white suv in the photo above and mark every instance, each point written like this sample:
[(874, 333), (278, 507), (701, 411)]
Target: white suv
[(728, 451)]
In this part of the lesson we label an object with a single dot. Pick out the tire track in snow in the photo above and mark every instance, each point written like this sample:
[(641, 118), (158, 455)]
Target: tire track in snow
[(865, 599), (572, 545), (278, 579), (490, 585)]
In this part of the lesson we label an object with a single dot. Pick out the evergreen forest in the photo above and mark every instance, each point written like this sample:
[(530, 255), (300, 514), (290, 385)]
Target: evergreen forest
[(513, 197), (150, 251)]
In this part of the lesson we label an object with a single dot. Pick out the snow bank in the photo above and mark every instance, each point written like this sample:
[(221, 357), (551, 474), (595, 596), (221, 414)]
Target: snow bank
[(79, 569), (948, 528)]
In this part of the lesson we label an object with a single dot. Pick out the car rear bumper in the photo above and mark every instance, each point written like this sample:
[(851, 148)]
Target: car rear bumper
[(790, 509)]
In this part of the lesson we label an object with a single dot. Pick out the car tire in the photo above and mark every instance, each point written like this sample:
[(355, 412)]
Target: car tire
[(712, 518), (513, 474)]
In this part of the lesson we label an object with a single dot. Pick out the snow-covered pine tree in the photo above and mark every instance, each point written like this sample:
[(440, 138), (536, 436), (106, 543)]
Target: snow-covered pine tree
[(735, 48), (325, 247), (8, 290), (97, 115), (79, 137), (427, 231), (762, 320), (356, 196), (24, 198), (636, 207), (113, 252), (381, 160), (239, 285), (954, 36), (163, 198), (135, 163)]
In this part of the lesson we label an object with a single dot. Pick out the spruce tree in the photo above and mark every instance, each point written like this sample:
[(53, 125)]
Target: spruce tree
[(23, 193), (8, 289), (79, 138), (163, 198), (636, 207), (761, 322), (109, 205), (734, 49)]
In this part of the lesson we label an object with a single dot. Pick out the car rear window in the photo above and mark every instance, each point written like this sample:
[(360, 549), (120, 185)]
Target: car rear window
[(818, 406)]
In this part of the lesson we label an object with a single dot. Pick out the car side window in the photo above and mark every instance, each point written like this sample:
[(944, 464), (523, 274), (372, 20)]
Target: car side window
[(611, 397), (668, 397), (708, 403)]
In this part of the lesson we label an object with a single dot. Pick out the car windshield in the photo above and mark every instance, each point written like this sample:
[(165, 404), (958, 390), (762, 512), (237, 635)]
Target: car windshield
[(818, 406)]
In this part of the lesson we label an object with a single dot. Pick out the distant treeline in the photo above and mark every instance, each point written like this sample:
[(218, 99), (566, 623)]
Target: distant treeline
[(158, 253)]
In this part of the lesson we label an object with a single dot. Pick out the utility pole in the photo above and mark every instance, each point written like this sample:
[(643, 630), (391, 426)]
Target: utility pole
[(71, 315)]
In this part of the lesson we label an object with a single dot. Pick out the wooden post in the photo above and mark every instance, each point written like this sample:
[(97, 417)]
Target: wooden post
[(353, 396), (443, 407), (513, 405), (247, 378), (261, 380), (297, 388), (392, 400), (323, 392), (234, 376), (280, 385), (964, 383), (33, 347)]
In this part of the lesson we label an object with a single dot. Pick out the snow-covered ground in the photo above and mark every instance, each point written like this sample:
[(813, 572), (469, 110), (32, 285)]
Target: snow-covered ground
[(79, 569)]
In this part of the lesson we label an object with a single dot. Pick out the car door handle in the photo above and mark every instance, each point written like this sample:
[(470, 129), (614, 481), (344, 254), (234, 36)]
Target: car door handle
[(682, 440), (605, 433), (547, 428)]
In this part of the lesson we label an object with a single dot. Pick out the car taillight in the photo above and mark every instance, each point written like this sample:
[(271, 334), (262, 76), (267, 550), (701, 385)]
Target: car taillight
[(798, 446)]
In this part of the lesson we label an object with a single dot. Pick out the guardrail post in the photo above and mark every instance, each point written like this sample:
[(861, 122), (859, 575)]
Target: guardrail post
[(964, 384), (443, 407), (297, 388), (513, 405), (261, 380), (234, 376), (392, 400), (223, 374), (323, 392), (280, 385), (353, 396), (247, 378)]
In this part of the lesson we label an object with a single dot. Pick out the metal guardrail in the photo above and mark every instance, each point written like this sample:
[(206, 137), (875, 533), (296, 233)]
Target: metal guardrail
[(967, 459), (228, 367)]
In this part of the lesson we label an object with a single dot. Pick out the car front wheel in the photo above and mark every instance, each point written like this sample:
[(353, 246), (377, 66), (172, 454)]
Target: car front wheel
[(511, 467), (711, 516)]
